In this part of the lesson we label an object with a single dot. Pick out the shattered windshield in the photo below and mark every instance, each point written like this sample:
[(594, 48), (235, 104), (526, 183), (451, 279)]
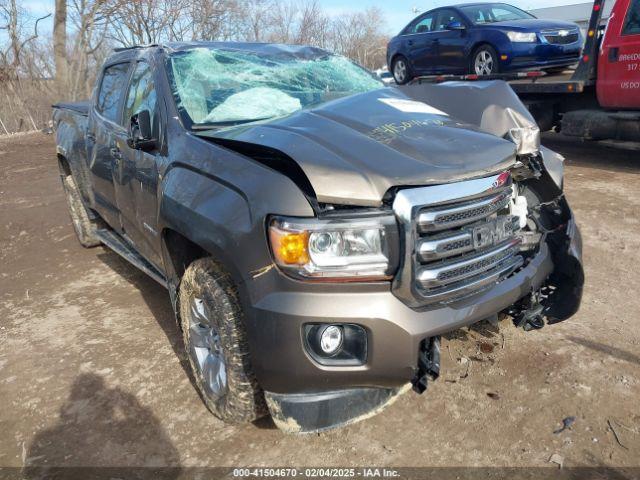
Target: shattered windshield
[(220, 87)]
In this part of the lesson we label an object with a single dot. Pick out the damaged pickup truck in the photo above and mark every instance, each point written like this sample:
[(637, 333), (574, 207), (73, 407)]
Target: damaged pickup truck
[(316, 231)]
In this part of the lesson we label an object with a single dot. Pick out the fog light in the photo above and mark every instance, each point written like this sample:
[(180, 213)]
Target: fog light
[(343, 344), (331, 339)]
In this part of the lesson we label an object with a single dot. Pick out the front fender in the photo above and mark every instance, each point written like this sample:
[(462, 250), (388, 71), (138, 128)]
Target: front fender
[(227, 219)]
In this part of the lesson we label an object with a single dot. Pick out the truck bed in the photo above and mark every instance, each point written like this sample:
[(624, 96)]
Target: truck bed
[(81, 107), (533, 82), (564, 82)]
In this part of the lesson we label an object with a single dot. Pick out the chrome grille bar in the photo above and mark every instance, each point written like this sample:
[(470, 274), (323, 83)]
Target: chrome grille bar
[(441, 275), (474, 285), (446, 217), (445, 247)]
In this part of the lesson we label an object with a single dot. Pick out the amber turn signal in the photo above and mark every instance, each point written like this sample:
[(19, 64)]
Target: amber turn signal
[(290, 248)]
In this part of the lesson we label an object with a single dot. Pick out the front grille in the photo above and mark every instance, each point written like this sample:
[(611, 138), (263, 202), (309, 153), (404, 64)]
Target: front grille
[(560, 37), (443, 218), (460, 239)]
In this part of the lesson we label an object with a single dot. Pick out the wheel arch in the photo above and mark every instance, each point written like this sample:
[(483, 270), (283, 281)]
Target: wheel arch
[(480, 43), (476, 46)]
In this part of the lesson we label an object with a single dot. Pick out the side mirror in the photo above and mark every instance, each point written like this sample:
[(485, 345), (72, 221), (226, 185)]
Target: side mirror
[(140, 134), (456, 26)]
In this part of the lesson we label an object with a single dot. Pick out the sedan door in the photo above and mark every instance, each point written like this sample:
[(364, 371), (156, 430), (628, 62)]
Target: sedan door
[(420, 46), (450, 44)]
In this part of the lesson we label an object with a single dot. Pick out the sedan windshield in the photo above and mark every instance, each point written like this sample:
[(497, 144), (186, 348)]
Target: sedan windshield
[(219, 87), (494, 12)]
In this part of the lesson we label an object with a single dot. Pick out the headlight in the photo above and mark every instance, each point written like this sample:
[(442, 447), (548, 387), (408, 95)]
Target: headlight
[(358, 249), (522, 37)]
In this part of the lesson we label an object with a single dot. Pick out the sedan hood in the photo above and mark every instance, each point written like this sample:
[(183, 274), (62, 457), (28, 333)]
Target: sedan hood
[(532, 25), (353, 150)]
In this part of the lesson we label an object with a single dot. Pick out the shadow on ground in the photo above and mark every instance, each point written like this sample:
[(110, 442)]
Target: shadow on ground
[(155, 297), (101, 427), (606, 349)]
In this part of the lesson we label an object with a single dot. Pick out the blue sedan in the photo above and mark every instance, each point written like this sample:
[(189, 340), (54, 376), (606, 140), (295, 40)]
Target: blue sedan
[(481, 38)]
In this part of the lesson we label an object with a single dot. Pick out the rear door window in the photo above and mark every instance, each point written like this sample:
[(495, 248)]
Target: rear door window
[(632, 20), (114, 81)]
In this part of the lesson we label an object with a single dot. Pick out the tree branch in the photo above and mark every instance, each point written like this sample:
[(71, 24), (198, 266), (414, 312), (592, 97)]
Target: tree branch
[(35, 31)]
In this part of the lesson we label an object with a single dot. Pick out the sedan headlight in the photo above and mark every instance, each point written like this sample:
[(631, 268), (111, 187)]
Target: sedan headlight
[(522, 37), (358, 249)]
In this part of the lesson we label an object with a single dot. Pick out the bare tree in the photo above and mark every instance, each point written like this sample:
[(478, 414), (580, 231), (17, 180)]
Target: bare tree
[(256, 19), (360, 36), (60, 41), (142, 22), (210, 20), (15, 22), (89, 19), (313, 25)]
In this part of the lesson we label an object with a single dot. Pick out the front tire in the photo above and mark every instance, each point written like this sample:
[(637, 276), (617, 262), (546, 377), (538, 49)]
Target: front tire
[(216, 343), (85, 227), (484, 61), (401, 71)]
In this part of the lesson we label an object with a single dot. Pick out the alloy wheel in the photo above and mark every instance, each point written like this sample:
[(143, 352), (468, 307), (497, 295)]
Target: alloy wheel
[(484, 63), (400, 71), (206, 350)]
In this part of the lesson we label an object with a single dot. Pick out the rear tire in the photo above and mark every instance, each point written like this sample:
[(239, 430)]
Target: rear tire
[(216, 343), (484, 61), (84, 226), (401, 70)]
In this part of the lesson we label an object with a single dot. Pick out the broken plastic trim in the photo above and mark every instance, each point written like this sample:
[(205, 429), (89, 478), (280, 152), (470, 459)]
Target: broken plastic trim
[(428, 364), (316, 412)]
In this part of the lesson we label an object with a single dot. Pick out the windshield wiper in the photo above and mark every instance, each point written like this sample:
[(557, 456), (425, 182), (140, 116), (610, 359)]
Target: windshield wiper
[(229, 123)]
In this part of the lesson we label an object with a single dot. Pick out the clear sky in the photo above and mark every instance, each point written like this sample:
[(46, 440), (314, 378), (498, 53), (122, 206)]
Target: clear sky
[(397, 12)]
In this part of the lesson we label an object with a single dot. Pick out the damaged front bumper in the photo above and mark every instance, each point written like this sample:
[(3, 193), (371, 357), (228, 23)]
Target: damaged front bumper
[(397, 336)]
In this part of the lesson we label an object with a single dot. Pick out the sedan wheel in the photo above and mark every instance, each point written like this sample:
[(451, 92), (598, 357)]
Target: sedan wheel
[(484, 62), (400, 71)]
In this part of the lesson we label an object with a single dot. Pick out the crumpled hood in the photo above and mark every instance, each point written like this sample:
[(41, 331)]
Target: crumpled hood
[(353, 150)]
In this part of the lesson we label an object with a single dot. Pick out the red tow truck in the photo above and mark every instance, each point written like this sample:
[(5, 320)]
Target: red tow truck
[(600, 99)]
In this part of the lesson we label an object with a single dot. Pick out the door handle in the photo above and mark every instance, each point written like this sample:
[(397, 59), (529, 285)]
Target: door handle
[(116, 153), (613, 54), (409, 42), (91, 136)]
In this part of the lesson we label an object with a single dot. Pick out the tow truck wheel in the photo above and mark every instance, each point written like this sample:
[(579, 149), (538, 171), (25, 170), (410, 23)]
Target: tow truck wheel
[(84, 226), (484, 60), (216, 343), (401, 70)]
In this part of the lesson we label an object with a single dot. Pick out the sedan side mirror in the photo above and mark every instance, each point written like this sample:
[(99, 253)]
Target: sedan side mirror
[(140, 133), (456, 26)]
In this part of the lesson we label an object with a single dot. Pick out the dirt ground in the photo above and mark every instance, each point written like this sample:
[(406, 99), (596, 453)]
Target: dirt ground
[(92, 371)]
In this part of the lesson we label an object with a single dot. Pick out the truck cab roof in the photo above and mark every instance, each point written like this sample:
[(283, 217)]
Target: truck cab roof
[(293, 51)]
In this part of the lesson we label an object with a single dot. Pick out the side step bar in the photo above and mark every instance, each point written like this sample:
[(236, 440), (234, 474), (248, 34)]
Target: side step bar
[(116, 243)]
